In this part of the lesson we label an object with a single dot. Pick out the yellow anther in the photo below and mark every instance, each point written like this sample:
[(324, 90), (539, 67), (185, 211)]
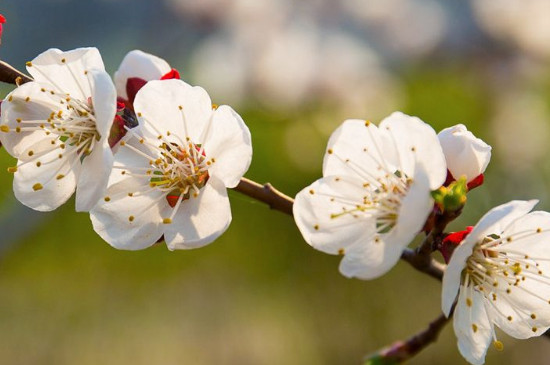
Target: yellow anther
[(12, 169), (166, 221), (4, 128), (498, 345), (37, 187)]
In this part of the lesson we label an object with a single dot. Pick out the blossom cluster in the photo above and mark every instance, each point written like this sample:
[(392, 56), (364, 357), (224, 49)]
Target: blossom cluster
[(151, 158), (382, 186), (148, 155)]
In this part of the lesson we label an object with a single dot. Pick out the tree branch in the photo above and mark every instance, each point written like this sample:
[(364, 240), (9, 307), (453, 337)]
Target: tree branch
[(267, 194), (423, 263), (401, 351), (10, 75)]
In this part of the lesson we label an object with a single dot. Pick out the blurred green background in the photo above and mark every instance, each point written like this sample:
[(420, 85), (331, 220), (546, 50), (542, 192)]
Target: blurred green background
[(295, 71)]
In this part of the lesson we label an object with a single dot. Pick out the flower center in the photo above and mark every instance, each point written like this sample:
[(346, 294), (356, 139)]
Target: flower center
[(78, 128), (491, 263), (180, 171), (382, 202)]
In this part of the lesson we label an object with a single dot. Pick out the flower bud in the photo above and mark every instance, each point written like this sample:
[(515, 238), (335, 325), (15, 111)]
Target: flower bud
[(451, 198), (451, 241), (466, 155), (2, 21)]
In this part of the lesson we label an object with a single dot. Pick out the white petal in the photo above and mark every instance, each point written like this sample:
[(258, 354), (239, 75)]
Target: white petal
[(111, 219), (37, 109), (452, 276), (373, 257), (472, 327), (415, 208), (200, 220), (230, 144), (94, 175), (66, 71), (318, 214), (497, 219), (465, 154), (359, 149), (139, 64), (158, 103), (104, 101), (518, 312), (46, 187), (417, 142)]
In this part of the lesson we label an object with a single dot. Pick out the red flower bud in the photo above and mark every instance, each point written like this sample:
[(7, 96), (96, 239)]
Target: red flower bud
[(2, 21), (172, 74), (451, 241)]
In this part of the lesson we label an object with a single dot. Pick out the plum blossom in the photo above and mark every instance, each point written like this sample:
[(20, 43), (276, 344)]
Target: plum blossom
[(374, 196), (171, 172), (136, 69), (500, 272), (466, 155), (57, 126)]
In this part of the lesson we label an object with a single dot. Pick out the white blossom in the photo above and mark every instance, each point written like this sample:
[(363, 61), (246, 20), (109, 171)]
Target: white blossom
[(57, 127), (171, 172), (374, 196), (501, 273), (466, 155), (138, 67)]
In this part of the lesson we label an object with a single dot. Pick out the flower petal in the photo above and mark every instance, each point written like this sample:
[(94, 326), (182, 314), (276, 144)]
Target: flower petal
[(319, 212), (93, 177), (371, 258), (452, 275), (139, 64), (66, 71), (359, 149), (415, 208), (472, 326), (229, 143), (129, 222), (104, 101), (200, 220), (33, 107), (44, 181), (173, 106), (497, 219), (417, 142)]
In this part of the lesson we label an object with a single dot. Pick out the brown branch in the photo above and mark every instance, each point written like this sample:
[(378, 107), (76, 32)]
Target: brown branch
[(423, 263), (401, 351), (10, 75), (267, 194)]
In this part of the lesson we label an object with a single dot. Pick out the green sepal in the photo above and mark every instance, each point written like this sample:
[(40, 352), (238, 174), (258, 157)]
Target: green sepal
[(453, 197)]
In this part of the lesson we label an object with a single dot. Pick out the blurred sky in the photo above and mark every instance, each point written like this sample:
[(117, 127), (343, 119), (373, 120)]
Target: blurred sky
[(295, 71)]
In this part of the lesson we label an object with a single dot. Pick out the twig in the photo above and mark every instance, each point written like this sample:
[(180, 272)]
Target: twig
[(10, 75), (401, 351), (267, 194), (423, 263)]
